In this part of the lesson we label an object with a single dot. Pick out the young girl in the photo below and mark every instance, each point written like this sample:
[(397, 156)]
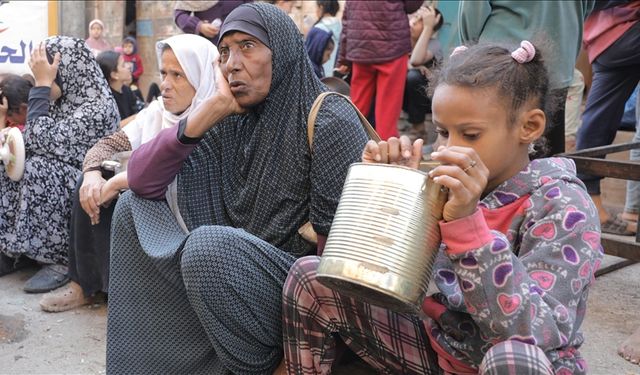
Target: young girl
[(14, 96), (132, 58), (117, 74), (96, 41), (319, 47), (520, 242), (327, 21)]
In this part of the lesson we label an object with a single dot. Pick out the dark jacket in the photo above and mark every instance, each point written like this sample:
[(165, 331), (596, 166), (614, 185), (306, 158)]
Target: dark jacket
[(375, 31)]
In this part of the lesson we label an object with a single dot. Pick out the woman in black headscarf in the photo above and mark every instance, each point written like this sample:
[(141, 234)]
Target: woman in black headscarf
[(69, 109), (196, 282)]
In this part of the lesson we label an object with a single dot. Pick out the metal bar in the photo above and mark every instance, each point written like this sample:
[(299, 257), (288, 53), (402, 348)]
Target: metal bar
[(621, 246), (607, 168), (614, 267), (603, 150)]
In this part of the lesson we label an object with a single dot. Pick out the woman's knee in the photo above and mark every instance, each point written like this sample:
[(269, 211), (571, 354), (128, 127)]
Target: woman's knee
[(211, 242), (299, 274), (514, 357)]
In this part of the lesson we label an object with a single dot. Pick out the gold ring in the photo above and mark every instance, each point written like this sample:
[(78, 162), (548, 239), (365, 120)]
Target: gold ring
[(473, 164)]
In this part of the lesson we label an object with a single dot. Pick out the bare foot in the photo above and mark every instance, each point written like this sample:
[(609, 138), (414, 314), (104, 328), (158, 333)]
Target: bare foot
[(630, 348)]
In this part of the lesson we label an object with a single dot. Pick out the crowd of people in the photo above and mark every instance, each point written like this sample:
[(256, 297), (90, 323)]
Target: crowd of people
[(188, 210)]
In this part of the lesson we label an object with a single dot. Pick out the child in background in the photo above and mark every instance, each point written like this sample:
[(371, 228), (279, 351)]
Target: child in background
[(133, 60), (520, 242), (319, 46), (14, 96), (96, 41)]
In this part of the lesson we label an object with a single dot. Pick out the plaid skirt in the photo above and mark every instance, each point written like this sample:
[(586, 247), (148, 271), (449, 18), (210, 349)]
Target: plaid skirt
[(392, 343)]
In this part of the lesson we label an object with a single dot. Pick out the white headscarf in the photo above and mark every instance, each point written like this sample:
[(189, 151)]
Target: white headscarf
[(198, 58)]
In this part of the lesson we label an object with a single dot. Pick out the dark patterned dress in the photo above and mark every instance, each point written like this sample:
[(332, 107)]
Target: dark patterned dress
[(209, 301), (35, 211)]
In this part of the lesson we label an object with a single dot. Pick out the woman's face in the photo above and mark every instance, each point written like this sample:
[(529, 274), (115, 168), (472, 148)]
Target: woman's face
[(246, 64), (96, 31), (177, 92), (122, 73)]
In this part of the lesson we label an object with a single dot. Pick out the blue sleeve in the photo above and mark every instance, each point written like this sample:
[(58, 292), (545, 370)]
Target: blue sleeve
[(38, 102)]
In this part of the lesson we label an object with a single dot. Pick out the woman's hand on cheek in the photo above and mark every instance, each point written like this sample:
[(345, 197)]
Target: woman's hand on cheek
[(394, 151), (43, 72), (224, 95), (465, 175)]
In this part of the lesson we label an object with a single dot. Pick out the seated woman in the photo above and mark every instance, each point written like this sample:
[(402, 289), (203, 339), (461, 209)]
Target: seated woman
[(425, 54), (319, 45), (206, 297), (14, 96), (70, 108), (520, 242), (117, 74), (187, 64)]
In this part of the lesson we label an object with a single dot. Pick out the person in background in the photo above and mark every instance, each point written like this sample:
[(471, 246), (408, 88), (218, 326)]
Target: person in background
[(425, 54), (96, 41), (118, 74), (612, 40), (203, 17), (132, 59), (573, 110), (319, 46), (70, 108), (374, 46), (630, 348), (558, 22), (327, 21), (187, 63), (14, 96)]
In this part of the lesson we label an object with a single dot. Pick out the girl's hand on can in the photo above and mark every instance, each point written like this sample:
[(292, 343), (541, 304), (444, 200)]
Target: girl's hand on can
[(394, 151)]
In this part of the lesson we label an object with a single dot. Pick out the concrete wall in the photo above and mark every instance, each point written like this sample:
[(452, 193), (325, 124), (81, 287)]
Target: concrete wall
[(72, 15)]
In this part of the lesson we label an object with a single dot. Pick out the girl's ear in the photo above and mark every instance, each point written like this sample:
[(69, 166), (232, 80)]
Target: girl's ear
[(114, 76), (533, 125)]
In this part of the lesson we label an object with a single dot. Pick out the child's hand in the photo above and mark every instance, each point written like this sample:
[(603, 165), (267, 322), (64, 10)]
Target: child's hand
[(394, 151), (43, 72), (466, 177)]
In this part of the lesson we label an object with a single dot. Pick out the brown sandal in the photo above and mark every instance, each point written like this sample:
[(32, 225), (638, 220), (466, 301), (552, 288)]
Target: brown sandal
[(615, 225)]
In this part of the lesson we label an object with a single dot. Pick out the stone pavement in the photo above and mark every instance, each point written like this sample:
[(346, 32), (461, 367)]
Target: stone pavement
[(73, 342)]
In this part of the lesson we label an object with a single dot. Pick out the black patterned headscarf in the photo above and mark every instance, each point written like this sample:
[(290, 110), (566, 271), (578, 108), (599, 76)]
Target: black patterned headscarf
[(85, 112), (255, 171)]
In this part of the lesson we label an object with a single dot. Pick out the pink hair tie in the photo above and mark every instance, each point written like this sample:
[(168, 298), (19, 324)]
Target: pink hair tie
[(458, 50), (525, 53)]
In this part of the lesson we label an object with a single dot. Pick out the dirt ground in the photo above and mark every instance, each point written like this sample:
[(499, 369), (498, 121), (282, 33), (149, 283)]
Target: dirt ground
[(73, 342)]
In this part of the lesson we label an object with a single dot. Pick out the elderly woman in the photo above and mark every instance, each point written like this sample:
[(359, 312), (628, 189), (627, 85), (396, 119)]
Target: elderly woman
[(206, 296), (187, 64), (70, 108)]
